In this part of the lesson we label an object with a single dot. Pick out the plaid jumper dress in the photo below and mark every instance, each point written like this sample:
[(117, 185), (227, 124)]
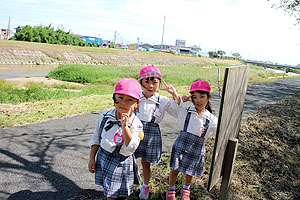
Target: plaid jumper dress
[(188, 151), (115, 172), (150, 147)]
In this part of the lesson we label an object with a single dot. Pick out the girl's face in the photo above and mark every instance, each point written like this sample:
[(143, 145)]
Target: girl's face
[(124, 104), (150, 86), (200, 100)]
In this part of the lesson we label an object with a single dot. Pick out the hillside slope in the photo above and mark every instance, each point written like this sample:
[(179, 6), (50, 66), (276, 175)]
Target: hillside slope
[(19, 52)]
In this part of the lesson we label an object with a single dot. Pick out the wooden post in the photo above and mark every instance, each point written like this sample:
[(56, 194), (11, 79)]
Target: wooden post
[(228, 167)]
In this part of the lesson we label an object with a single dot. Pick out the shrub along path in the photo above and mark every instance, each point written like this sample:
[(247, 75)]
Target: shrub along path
[(49, 160)]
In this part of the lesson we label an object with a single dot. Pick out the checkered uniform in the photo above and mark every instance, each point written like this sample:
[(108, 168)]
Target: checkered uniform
[(151, 112), (188, 151), (115, 172)]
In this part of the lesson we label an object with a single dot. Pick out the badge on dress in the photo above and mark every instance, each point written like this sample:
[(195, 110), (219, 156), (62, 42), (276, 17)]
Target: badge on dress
[(157, 114), (119, 138)]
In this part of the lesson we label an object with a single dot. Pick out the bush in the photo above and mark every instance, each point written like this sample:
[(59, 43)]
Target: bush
[(109, 75), (47, 34)]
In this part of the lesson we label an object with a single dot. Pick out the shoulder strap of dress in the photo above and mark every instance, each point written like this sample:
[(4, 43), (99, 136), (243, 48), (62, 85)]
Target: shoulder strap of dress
[(205, 127), (187, 120), (104, 119)]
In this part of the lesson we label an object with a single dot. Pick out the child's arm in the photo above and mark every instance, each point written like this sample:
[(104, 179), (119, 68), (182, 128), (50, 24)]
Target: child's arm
[(92, 163), (172, 91)]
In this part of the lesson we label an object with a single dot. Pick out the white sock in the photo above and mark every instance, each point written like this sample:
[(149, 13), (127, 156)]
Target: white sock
[(186, 187)]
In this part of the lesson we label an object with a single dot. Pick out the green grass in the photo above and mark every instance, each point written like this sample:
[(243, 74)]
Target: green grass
[(109, 74), (34, 92)]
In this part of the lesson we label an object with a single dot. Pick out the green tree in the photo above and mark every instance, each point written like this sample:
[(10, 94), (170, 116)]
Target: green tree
[(47, 34), (292, 7), (221, 53), (236, 55), (213, 54)]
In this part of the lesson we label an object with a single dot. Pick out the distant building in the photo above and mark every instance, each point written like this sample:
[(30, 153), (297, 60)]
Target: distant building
[(185, 50), (161, 47), (106, 42), (92, 40), (180, 43), (146, 45), (5, 34)]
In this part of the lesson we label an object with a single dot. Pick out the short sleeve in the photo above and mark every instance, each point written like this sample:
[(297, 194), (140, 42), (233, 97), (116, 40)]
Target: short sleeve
[(95, 137), (212, 129)]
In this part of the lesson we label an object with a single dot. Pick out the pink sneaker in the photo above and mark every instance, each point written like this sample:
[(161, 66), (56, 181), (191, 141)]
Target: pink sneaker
[(171, 195), (185, 194), (144, 192)]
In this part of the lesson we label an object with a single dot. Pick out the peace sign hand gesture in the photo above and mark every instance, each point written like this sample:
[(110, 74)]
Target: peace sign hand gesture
[(172, 91), (186, 98)]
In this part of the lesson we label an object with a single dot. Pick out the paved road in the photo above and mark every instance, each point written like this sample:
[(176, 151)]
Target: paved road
[(48, 160)]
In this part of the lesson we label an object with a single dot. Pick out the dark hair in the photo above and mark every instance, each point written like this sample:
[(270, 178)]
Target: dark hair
[(208, 106), (150, 78)]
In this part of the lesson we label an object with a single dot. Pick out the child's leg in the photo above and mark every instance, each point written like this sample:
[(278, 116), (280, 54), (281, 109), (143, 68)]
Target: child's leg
[(173, 177), (188, 180), (146, 171)]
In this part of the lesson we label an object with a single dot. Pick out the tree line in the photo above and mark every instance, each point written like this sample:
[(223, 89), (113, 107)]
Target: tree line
[(221, 54), (47, 34)]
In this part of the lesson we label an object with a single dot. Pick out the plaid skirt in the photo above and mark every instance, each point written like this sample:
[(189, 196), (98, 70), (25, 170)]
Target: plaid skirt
[(188, 154), (116, 173), (150, 147)]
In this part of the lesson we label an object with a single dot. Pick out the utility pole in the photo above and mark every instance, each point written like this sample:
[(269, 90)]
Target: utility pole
[(8, 29), (162, 38), (115, 37)]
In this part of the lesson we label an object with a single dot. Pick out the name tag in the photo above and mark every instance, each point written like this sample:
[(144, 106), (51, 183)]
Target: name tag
[(119, 138), (157, 114)]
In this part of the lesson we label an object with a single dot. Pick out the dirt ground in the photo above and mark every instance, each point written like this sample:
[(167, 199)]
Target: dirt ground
[(49, 81)]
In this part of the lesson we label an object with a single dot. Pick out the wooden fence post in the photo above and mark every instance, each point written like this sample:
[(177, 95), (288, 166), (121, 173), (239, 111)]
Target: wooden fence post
[(228, 167)]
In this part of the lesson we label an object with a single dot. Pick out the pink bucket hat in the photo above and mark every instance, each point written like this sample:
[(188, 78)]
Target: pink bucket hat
[(150, 71), (129, 87), (200, 85)]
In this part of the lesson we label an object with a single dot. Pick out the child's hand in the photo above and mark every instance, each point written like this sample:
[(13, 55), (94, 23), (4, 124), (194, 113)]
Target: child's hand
[(125, 117), (171, 90), (186, 98), (92, 165)]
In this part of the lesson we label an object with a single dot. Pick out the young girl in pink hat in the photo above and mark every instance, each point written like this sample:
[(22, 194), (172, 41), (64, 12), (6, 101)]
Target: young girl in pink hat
[(196, 123), (151, 112), (115, 139)]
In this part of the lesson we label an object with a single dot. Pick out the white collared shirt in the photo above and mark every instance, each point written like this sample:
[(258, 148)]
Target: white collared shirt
[(148, 108), (197, 122), (108, 142)]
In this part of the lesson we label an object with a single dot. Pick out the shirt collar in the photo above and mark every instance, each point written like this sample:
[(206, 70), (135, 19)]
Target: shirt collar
[(154, 98), (192, 109)]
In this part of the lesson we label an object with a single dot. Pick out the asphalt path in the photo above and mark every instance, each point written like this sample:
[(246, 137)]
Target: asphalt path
[(49, 160)]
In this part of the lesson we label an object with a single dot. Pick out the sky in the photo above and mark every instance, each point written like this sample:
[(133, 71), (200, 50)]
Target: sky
[(251, 28)]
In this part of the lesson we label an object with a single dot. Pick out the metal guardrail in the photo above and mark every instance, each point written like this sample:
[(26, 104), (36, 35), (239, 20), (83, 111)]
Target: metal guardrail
[(266, 64)]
